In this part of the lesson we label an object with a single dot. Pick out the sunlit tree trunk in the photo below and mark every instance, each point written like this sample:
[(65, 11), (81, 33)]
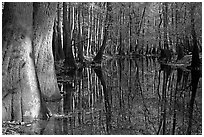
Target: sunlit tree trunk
[(92, 31), (74, 31), (96, 31), (130, 32), (59, 31), (165, 12), (89, 31), (21, 87), (71, 17), (99, 32), (83, 29), (80, 45), (159, 28)]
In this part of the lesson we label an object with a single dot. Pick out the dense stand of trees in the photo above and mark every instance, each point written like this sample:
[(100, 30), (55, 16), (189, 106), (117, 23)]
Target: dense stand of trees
[(77, 32), (125, 28)]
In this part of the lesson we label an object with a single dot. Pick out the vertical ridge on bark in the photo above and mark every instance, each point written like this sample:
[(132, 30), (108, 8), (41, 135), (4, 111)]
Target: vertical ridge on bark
[(44, 15), (20, 93)]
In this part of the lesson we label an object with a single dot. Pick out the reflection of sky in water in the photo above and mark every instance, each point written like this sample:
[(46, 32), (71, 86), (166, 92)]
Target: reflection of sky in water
[(125, 97)]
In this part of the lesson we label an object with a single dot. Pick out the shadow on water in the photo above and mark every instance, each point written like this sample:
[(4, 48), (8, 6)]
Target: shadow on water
[(126, 96)]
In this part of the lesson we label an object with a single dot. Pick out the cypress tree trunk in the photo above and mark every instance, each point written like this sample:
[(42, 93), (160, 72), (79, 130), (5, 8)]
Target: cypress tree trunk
[(43, 21), (21, 93)]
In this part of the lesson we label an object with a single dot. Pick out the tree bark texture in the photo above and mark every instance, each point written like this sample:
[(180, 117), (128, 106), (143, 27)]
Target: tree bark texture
[(44, 15), (21, 95)]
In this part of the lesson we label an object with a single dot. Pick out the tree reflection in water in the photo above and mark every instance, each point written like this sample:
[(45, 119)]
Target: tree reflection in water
[(127, 96)]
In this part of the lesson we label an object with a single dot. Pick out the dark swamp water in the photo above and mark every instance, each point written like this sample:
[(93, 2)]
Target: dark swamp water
[(126, 96)]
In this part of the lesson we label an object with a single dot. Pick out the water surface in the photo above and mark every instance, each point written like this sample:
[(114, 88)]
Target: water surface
[(126, 96)]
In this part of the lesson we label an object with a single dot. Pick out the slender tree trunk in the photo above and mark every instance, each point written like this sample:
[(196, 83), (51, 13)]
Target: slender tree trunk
[(83, 28), (98, 57), (130, 32), (159, 29), (55, 42), (92, 32), (59, 31), (121, 52), (96, 31), (141, 21), (67, 43), (99, 32), (75, 33), (102, 28), (80, 45), (89, 32), (165, 10)]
